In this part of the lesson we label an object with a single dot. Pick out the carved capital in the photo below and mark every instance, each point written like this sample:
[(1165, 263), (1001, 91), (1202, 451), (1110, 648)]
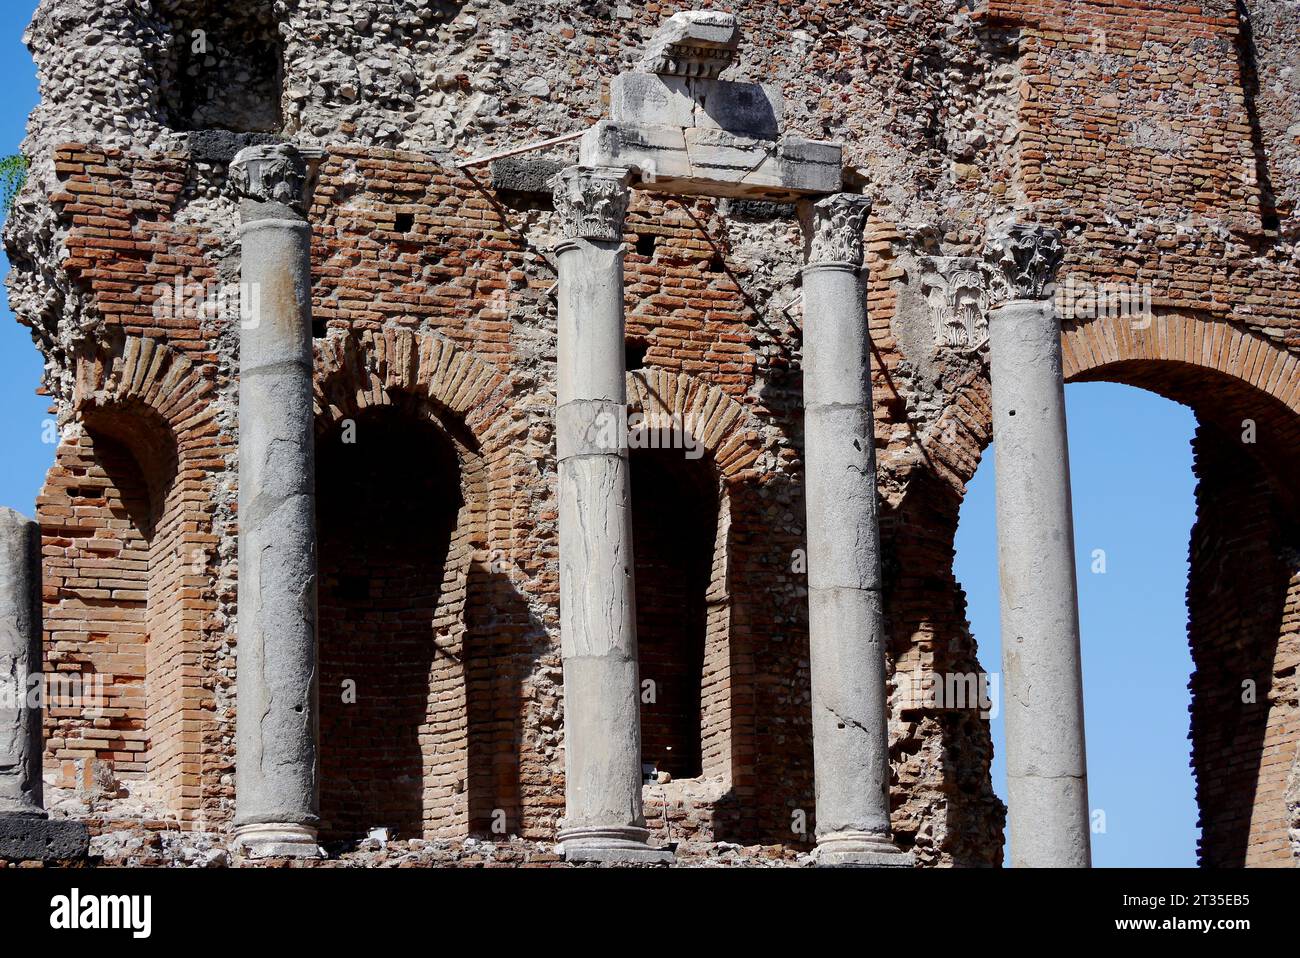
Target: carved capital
[(1023, 262), (832, 228), (956, 290), (275, 173), (591, 202)]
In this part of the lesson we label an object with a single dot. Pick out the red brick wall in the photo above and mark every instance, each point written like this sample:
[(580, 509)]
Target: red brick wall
[(1243, 597), (126, 519), (1135, 128), (94, 506)]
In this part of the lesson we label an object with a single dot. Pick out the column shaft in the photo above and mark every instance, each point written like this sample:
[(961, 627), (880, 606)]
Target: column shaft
[(20, 665), (277, 767), (602, 720), (847, 639), (26, 832), (1047, 790)]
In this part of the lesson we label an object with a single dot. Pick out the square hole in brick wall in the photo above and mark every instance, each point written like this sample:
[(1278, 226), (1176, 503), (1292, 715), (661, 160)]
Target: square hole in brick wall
[(634, 354), (223, 68)]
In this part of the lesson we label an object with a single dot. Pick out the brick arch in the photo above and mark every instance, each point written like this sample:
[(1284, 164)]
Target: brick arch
[(127, 519), (1204, 341), (144, 376), (1224, 371), (371, 368), (722, 425), (469, 730), (1244, 584), (1219, 368)]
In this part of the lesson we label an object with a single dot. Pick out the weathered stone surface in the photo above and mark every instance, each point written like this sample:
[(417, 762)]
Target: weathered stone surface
[(1023, 262), (591, 204), (277, 775), (705, 160), (274, 175), (603, 818), (694, 43), (20, 665), (846, 628), (956, 293), (832, 232), (744, 109), (35, 838), (648, 99), (26, 832), (525, 174), (221, 146)]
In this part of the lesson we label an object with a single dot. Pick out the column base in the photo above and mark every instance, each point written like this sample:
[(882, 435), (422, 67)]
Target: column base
[(613, 846), (277, 840), (860, 850), (36, 838)]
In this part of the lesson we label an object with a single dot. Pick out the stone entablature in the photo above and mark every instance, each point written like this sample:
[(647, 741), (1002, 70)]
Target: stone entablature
[(682, 130)]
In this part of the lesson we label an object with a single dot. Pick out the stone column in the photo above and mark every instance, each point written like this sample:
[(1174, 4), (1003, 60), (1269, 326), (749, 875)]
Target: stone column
[(845, 620), (1047, 787), (26, 833), (277, 788), (602, 719)]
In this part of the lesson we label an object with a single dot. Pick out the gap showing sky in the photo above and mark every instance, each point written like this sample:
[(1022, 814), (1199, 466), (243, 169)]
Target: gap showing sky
[(1134, 498)]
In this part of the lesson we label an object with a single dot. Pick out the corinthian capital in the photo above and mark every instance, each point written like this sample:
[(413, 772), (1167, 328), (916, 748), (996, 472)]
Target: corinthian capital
[(832, 228), (956, 291), (591, 202), (1023, 262), (274, 173)]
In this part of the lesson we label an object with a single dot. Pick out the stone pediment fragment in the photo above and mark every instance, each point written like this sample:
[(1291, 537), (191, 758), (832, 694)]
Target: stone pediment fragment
[(693, 43)]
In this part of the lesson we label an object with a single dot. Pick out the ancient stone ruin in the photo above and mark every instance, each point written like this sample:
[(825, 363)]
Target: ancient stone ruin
[(536, 432)]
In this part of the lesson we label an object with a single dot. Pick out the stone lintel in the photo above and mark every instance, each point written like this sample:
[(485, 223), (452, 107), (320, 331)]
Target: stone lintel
[(752, 110), (710, 161)]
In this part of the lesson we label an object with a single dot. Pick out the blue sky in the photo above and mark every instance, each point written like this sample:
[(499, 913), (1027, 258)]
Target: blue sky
[(23, 457), (1133, 497)]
